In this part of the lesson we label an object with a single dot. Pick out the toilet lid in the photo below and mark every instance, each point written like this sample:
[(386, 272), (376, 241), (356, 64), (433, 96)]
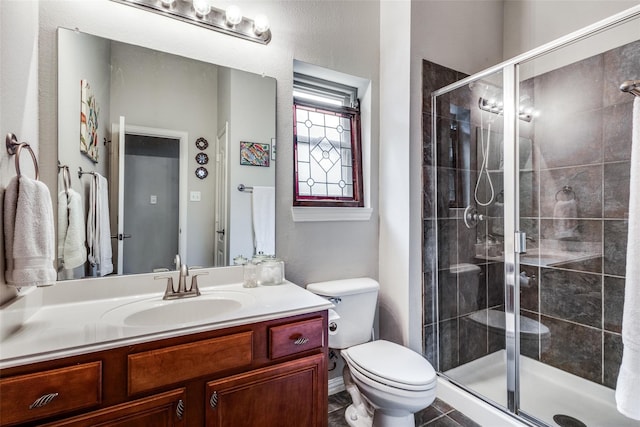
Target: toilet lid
[(392, 363)]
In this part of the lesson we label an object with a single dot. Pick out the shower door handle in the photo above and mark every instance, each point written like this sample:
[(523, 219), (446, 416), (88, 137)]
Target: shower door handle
[(520, 242)]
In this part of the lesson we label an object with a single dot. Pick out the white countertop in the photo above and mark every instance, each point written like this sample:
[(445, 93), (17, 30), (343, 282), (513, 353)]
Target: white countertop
[(69, 318)]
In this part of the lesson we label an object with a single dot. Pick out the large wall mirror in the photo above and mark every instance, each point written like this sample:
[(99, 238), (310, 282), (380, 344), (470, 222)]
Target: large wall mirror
[(173, 138)]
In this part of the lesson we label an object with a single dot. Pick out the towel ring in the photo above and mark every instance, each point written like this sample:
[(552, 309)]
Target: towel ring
[(567, 191), (66, 176), (14, 147)]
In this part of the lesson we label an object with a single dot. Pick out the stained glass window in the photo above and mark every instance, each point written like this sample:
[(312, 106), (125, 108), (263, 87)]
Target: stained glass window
[(328, 160)]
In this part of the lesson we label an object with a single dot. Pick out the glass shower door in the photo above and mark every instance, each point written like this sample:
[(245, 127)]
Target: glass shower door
[(574, 207), (469, 139)]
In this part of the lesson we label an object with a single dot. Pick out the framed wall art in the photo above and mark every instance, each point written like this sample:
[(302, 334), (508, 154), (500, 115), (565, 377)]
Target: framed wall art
[(88, 122), (254, 154)]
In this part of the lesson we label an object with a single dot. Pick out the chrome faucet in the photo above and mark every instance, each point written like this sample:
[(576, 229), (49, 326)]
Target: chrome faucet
[(182, 291)]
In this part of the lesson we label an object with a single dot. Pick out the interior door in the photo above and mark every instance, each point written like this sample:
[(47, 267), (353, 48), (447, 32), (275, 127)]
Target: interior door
[(116, 196), (222, 197)]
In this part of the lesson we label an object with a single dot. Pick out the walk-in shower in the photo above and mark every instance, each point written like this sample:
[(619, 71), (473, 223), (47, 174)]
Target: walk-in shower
[(527, 181)]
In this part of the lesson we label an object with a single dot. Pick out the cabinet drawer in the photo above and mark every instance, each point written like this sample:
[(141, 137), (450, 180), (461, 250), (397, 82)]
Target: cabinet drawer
[(157, 368), (163, 409), (33, 396), (295, 337)]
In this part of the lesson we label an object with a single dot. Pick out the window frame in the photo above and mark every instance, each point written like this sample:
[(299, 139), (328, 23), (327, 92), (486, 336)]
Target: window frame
[(357, 200)]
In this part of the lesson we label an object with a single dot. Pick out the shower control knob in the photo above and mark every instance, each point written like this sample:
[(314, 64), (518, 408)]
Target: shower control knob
[(333, 326), (471, 217)]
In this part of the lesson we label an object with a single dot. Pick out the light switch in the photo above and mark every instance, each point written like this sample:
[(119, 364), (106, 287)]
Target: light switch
[(194, 196), (153, 199)]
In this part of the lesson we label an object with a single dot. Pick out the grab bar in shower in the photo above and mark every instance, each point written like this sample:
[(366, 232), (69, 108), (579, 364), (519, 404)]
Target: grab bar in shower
[(631, 86)]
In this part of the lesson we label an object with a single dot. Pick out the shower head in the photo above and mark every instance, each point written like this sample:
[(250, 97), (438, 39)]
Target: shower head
[(479, 85), (631, 86)]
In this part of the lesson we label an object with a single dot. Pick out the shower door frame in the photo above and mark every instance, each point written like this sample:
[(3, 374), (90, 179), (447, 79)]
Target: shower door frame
[(514, 239)]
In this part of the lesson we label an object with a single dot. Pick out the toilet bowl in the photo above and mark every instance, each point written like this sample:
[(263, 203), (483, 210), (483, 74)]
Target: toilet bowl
[(387, 382), (534, 336), (394, 380)]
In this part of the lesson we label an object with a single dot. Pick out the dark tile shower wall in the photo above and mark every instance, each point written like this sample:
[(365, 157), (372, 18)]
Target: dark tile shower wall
[(581, 139)]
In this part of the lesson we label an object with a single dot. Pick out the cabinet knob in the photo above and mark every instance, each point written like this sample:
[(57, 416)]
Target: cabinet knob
[(43, 400), (180, 409), (213, 402)]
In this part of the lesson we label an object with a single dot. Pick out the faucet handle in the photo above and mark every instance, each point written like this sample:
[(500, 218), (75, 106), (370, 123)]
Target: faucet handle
[(169, 290), (194, 282)]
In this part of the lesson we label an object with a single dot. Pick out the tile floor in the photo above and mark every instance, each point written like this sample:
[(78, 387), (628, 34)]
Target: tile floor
[(439, 414)]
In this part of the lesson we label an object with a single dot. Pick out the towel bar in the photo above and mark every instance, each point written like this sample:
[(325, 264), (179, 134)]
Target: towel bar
[(81, 172)]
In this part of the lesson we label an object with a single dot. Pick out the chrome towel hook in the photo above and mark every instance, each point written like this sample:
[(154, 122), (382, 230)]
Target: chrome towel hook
[(14, 148)]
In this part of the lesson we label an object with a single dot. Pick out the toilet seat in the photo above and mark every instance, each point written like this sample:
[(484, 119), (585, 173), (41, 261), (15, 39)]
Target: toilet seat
[(391, 364)]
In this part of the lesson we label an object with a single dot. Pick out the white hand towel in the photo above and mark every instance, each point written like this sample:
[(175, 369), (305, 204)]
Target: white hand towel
[(565, 223), (103, 227), (29, 234), (91, 225), (98, 227), (63, 222), (264, 219), (9, 223), (71, 230), (628, 387)]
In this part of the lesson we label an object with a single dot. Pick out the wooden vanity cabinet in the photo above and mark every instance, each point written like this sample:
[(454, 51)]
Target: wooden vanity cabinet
[(267, 374), (285, 395)]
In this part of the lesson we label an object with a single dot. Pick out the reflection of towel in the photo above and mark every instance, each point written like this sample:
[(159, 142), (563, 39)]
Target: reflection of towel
[(628, 388), (264, 219), (565, 223), (71, 230), (29, 234), (98, 227)]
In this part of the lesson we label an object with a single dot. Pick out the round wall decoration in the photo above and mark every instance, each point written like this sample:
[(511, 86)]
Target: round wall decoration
[(202, 143), (202, 172), (202, 158)]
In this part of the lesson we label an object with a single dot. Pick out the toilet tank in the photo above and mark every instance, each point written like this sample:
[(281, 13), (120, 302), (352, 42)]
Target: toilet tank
[(355, 304)]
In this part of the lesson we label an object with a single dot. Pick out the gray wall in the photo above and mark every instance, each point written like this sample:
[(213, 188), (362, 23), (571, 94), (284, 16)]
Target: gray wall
[(154, 89)]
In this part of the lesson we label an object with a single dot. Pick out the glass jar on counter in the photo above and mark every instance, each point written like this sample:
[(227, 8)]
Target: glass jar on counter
[(271, 271), (250, 273)]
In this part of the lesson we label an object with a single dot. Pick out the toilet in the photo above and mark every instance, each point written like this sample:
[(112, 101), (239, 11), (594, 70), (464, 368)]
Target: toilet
[(387, 382)]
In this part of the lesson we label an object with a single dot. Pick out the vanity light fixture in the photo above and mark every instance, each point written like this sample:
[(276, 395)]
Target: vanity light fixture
[(200, 12), (526, 113)]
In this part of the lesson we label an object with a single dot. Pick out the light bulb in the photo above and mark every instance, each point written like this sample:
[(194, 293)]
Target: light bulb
[(233, 15), (202, 7), (260, 24)]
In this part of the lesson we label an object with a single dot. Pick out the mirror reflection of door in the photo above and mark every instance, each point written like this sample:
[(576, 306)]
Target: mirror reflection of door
[(149, 213), (222, 196), (151, 203)]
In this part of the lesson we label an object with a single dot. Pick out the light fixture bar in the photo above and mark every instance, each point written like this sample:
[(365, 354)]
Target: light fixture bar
[(214, 20)]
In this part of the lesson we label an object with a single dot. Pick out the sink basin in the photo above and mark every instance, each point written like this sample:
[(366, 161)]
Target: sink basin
[(158, 312)]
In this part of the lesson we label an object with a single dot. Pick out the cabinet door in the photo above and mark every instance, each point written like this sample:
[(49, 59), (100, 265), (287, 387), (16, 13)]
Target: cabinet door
[(291, 394), (160, 410)]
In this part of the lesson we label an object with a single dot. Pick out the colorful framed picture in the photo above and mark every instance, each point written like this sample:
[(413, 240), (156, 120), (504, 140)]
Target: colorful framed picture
[(254, 154), (88, 122)]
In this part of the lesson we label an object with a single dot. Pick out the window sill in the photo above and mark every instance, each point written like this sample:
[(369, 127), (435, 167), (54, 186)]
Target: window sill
[(321, 214)]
